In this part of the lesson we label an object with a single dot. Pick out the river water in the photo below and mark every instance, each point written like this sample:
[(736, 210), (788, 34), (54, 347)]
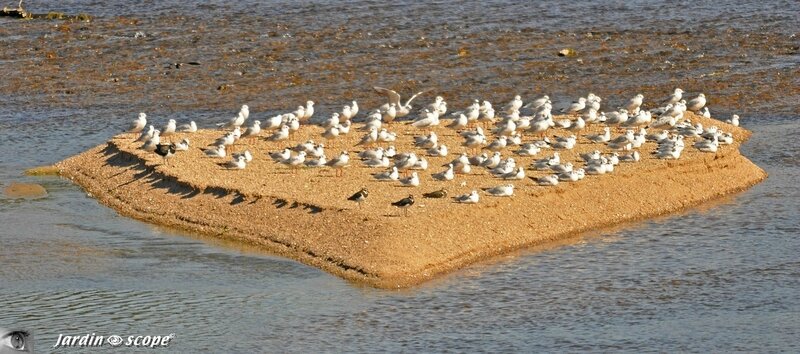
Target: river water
[(723, 277)]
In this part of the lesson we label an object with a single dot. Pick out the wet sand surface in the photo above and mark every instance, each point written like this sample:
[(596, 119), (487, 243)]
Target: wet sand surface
[(279, 60)]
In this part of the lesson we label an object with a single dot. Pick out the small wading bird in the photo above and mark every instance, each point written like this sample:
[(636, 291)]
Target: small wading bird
[(359, 196), (405, 203), (436, 194), (166, 151)]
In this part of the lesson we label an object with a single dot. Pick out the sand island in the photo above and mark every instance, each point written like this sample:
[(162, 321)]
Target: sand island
[(304, 214)]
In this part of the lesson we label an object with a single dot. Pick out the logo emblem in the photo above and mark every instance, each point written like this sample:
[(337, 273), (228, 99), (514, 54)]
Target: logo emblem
[(114, 340)]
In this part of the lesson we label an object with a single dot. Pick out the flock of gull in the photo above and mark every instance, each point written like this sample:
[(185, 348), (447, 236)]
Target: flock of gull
[(486, 132)]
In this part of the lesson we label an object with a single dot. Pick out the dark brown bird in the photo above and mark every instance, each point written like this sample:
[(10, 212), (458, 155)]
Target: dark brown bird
[(360, 196), (405, 203), (436, 194), (166, 151)]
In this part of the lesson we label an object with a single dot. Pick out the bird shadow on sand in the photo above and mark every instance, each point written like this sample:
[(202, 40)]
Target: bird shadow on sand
[(280, 203)]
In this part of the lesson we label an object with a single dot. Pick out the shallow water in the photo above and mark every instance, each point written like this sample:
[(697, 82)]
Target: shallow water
[(719, 278)]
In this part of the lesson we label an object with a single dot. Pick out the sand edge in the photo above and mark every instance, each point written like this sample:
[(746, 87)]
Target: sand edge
[(138, 189)]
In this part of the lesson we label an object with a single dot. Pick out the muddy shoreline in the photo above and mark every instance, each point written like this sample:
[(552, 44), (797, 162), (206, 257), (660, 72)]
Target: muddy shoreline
[(270, 64)]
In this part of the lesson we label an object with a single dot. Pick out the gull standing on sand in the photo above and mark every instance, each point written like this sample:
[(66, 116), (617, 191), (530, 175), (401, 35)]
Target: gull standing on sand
[(567, 167), (346, 113), (459, 122), (634, 104), (412, 181), (706, 112), (426, 142), (571, 176), (578, 125), (150, 144), (386, 136), (390, 113), (733, 121), (280, 156), (300, 112), (371, 154), (382, 162), (317, 151), (190, 127), (471, 198), (551, 180), (633, 156), (369, 138), (331, 133), (528, 149), (547, 163), (246, 154), (183, 145), (391, 175), (565, 143), (438, 106), (215, 151), (438, 151), (235, 121), (501, 191), (238, 163), (307, 146), (446, 175), (676, 96), (227, 139), (340, 162), (484, 160), (281, 134), (308, 112), (252, 130), (138, 124), (707, 145), (373, 121), (344, 128), (428, 120), (318, 162), (600, 138), (405, 161), (169, 128), (514, 105), (333, 121), (696, 103), (517, 174), (273, 122), (575, 107), (296, 161), (237, 133), (147, 134), (537, 102)]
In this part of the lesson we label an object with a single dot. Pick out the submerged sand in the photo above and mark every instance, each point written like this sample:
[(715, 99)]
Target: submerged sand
[(24, 190), (305, 215)]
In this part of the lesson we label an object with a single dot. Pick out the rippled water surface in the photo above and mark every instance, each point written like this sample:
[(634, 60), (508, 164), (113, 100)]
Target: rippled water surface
[(723, 277)]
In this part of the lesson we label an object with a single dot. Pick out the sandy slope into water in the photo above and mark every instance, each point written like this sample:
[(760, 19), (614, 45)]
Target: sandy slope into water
[(305, 216)]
